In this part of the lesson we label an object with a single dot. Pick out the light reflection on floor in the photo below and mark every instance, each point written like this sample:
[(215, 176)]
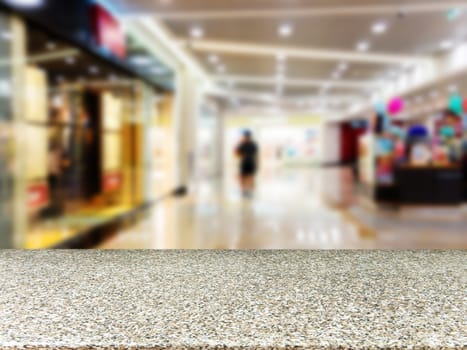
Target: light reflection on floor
[(292, 209)]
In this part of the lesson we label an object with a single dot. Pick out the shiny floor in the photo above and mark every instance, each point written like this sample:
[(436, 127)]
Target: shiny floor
[(291, 209)]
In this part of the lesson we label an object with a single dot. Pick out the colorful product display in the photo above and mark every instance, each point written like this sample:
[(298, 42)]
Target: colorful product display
[(416, 145)]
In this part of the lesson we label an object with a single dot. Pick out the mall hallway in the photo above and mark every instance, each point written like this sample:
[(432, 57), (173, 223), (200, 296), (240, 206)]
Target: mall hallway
[(292, 209)]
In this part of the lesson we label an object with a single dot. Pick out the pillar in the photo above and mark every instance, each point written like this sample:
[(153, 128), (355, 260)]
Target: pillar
[(187, 111)]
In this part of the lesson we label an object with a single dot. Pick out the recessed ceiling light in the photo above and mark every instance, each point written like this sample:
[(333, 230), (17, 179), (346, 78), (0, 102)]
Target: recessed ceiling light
[(26, 3), (141, 60), (213, 58), (196, 32), (379, 27), (446, 45), (281, 56), (363, 46), (70, 60), (285, 30), (343, 66), (336, 75)]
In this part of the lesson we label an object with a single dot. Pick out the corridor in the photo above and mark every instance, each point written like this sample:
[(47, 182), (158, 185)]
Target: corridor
[(293, 209)]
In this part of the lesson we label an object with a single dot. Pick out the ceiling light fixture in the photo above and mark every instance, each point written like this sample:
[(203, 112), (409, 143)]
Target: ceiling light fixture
[(213, 58), (281, 56), (343, 66), (446, 45), (285, 30), (336, 75), (363, 46), (70, 60), (379, 28), (196, 32)]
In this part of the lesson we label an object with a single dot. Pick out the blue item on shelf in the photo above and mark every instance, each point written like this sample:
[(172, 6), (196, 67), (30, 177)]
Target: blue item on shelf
[(418, 131)]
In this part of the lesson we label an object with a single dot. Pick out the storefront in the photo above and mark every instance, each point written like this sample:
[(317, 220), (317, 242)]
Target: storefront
[(76, 111), (419, 158)]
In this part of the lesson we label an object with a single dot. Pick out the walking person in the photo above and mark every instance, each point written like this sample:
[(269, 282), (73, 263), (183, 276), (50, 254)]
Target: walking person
[(247, 151)]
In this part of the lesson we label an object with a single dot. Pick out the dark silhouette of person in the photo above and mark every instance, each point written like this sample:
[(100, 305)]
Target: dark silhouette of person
[(247, 151)]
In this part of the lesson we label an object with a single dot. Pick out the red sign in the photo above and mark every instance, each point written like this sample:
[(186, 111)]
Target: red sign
[(108, 31), (112, 181), (38, 196)]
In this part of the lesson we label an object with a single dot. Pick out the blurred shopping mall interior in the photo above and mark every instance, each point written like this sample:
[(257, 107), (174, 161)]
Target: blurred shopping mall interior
[(121, 120)]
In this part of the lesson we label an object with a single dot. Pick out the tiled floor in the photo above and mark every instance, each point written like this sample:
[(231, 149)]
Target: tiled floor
[(292, 209)]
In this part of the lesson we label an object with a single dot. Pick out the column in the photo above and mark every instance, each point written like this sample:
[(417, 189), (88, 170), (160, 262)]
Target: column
[(187, 110)]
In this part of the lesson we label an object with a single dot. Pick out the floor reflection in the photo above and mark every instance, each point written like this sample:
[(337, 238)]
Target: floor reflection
[(292, 209)]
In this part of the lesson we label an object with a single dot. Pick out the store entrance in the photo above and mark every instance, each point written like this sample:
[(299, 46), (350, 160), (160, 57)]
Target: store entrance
[(92, 140)]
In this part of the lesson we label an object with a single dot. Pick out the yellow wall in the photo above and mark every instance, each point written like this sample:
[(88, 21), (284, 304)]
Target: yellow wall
[(295, 120)]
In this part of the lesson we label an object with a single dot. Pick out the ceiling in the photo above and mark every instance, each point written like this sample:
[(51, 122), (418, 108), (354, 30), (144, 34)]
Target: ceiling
[(238, 40)]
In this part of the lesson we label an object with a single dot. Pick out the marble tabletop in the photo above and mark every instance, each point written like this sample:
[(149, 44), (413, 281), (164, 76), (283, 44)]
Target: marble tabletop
[(233, 300)]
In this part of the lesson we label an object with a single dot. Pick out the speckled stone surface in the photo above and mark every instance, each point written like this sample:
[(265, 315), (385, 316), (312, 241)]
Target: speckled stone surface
[(237, 300)]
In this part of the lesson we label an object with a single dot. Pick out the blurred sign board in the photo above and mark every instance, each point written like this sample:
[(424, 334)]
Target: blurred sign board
[(107, 31)]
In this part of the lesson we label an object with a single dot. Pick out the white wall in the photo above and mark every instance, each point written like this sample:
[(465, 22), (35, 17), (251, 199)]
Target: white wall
[(331, 143)]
